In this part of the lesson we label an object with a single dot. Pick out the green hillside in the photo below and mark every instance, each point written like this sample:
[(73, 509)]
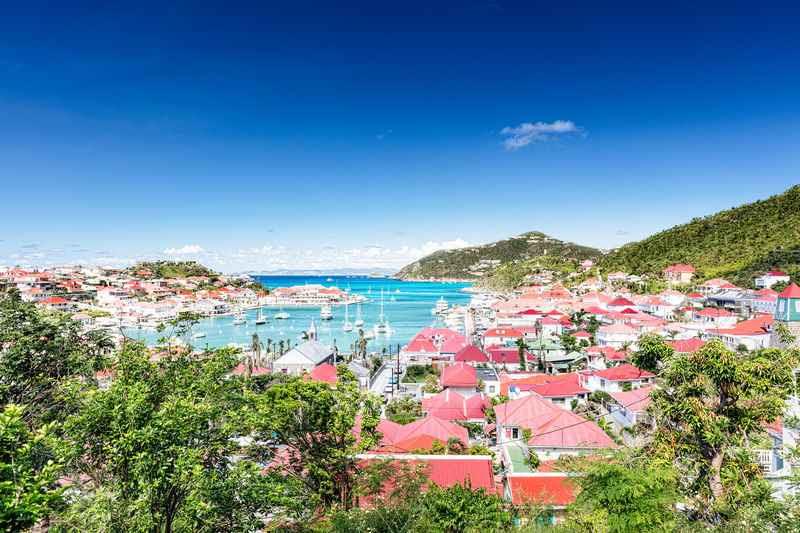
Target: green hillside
[(476, 262), (170, 269), (735, 244)]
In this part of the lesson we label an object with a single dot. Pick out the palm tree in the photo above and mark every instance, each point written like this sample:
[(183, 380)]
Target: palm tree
[(255, 349)]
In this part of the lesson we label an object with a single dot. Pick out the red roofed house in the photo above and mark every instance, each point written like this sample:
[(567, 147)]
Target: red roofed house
[(470, 354), (501, 336), (768, 279), (754, 333), (554, 431), (616, 335), (559, 389), (325, 373), (619, 378), (445, 471), (56, 302), (620, 303), (419, 435), (631, 406), (461, 378), (687, 345), (714, 317), (554, 490), (450, 405), (679, 273)]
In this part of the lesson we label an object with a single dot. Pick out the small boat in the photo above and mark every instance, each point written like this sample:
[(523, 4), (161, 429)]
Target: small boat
[(325, 312), (441, 307), (329, 280), (359, 321), (281, 314), (261, 318), (382, 327), (199, 335), (239, 319), (347, 326), (369, 335)]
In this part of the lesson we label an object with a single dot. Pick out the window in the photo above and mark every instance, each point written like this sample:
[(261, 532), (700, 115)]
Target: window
[(514, 433), (491, 388)]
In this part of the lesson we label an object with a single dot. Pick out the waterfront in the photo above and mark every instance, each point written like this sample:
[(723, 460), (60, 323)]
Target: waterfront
[(407, 306)]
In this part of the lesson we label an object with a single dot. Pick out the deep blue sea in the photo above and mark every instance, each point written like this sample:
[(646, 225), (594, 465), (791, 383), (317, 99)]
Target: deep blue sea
[(407, 306)]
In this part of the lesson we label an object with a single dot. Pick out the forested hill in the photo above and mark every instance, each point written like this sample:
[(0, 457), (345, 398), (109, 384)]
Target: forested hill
[(735, 244), (477, 261), (170, 269)]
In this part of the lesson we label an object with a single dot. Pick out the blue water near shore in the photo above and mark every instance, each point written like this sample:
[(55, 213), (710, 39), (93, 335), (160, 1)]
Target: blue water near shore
[(407, 306)]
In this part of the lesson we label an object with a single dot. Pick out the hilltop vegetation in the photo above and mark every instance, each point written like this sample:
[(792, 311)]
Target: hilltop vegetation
[(476, 262), (171, 269), (735, 244)]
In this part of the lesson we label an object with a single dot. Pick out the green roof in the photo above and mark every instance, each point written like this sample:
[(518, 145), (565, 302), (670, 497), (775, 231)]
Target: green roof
[(518, 456)]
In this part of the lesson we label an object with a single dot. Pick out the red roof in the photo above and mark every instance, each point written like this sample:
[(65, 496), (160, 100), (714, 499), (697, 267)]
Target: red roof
[(777, 273), (680, 268), (624, 372), (421, 344), (552, 427), (792, 291), (54, 300), (621, 301), (454, 344), (325, 372), (687, 345), (562, 388), (450, 405), (714, 312), (419, 435), (447, 470), (502, 332), (551, 489), (459, 375), (471, 354), (759, 325), (507, 355)]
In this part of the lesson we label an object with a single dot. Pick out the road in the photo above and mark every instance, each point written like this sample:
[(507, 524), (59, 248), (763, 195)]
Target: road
[(381, 380)]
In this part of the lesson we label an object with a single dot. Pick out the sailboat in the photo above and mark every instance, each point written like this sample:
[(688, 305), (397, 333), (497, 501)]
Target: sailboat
[(325, 312), (359, 321), (347, 326), (239, 318), (382, 327), (261, 318), (281, 314)]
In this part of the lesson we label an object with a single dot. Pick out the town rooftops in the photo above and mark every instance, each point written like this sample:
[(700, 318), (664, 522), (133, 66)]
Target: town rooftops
[(635, 400), (687, 345), (551, 489), (792, 291), (325, 372), (623, 372), (621, 301), (760, 325), (446, 470), (459, 375), (471, 354), (450, 405), (419, 434), (502, 332)]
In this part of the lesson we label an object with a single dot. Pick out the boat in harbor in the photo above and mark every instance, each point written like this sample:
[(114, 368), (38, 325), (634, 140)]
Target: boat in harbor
[(239, 319), (359, 321), (382, 326), (261, 318), (441, 307), (347, 326), (199, 335), (325, 313), (281, 314)]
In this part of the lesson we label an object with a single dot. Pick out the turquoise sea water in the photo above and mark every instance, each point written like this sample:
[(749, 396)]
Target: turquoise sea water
[(407, 306)]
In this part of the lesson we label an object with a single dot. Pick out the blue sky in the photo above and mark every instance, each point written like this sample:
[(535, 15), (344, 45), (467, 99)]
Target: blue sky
[(338, 134)]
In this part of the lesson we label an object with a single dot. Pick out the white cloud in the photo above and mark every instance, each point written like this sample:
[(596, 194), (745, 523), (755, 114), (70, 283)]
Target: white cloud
[(530, 132), (187, 249)]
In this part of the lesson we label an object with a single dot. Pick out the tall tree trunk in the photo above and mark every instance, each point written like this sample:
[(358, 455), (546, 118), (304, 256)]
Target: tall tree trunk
[(715, 481)]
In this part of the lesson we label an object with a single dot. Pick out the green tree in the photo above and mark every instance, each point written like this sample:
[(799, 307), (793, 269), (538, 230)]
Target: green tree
[(652, 352), (28, 492), (711, 407), (315, 423), (39, 353), (620, 497), (159, 442), (403, 410)]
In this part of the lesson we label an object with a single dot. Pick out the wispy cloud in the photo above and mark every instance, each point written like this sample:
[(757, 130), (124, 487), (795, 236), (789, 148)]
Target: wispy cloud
[(187, 249), (382, 135), (530, 132)]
